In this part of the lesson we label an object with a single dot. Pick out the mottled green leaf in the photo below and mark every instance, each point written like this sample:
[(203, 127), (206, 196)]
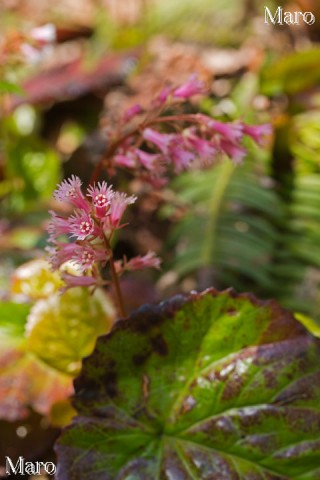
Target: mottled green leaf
[(216, 386)]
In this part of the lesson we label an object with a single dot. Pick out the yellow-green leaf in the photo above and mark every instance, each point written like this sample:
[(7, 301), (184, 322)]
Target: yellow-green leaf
[(63, 329)]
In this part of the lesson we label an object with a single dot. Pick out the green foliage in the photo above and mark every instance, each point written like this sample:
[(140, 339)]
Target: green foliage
[(309, 323), (203, 21), (305, 142), (13, 318), (10, 87), (32, 168), (288, 74), (297, 262), (230, 225), (240, 225), (212, 386)]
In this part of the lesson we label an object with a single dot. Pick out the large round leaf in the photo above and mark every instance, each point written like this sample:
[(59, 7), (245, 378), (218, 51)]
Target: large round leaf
[(215, 386)]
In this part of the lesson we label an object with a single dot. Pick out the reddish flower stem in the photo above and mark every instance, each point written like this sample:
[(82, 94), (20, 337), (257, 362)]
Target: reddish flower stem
[(116, 284), (115, 281)]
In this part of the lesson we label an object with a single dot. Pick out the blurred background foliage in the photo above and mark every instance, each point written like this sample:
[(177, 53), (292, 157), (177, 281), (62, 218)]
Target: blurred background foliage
[(255, 227)]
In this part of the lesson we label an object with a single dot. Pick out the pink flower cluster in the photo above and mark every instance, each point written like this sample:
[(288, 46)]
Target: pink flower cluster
[(92, 224), (194, 140)]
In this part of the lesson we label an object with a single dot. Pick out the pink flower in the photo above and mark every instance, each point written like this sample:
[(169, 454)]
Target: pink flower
[(161, 140), (173, 146), (181, 157), (204, 149), (70, 191), (235, 152), (150, 260), (58, 225), (126, 160), (86, 256), (78, 281), (60, 253), (258, 132), (150, 161), (119, 203), (132, 112), (101, 196), (233, 132), (82, 225), (192, 87), (162, 97)]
